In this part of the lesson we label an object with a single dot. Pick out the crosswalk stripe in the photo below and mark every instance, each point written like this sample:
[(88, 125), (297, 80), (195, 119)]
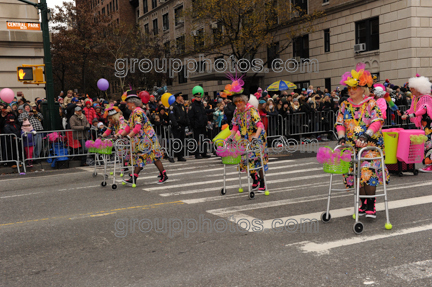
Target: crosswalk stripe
[(203, 171), (231, 179), (226, 211), (237, 194), (269, 182), (324, 248)]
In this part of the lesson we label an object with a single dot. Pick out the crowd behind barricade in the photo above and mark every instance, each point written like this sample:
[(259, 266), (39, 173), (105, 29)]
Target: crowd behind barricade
[(308, 112)]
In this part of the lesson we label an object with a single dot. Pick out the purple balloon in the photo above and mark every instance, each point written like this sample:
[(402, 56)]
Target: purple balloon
[(103, 84), (171, 100)]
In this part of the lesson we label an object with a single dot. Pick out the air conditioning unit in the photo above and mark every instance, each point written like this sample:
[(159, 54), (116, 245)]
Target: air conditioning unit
[(359, 48), (162, 1), (194, 33), (214, 25), (180, 21)]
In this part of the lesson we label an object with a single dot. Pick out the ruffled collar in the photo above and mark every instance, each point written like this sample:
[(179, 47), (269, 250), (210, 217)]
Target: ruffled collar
[(365, 100)]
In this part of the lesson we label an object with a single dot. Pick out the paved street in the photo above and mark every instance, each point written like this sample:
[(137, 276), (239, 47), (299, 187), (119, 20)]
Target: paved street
[(63, 229)]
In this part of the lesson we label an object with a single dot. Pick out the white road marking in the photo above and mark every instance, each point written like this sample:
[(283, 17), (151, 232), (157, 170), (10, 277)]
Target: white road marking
[(324, 248), (338, 212), (412, 271), (237, 194), (269, 182)]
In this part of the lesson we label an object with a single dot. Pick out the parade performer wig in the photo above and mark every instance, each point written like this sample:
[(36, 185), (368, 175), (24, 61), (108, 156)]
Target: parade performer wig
[(420, 104)]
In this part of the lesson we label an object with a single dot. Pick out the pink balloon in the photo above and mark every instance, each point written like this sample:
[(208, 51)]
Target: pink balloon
[(7, 95)]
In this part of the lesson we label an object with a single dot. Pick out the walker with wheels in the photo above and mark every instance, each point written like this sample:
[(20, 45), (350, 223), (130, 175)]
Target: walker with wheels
[(251, 148), (356, 161)]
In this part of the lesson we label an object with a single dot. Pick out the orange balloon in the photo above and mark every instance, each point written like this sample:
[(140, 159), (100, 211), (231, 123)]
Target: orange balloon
[(228, 87), (223, 95)]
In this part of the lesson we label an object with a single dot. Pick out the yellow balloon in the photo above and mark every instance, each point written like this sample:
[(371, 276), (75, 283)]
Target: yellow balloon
[(164, 99)]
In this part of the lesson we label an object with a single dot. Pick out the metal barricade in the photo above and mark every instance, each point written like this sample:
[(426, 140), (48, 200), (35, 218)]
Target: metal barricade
[(397, 121), (10, 150), (299, 124), (56, 144)]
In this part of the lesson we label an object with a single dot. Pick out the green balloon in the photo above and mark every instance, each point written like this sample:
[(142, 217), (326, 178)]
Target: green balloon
[(198, 90)]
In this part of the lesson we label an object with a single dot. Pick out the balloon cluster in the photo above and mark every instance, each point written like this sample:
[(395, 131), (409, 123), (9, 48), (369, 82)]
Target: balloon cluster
[(167, 99), (7, 95), (418, 139), (327, 155)]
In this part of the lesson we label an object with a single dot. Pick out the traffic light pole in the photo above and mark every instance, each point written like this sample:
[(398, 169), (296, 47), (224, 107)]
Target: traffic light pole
[(49, 86)]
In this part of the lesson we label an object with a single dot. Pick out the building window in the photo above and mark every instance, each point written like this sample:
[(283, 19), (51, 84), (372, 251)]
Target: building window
[(137, 12), (367, 32), (180, 44), (178, 17), (199, 39), (145, 6), (181, 77), (108, 10), (301, 47), (219, 65), (217, 32), (327, 40), (146, 29), (167, 48), (324, 2), (111, 7), (154, 4), (301, 6), (165, 21), (201, 67), (103, 11), (272, 53), (328, 84), (155, 27), (301, 85), (118, 22), (116, 5)]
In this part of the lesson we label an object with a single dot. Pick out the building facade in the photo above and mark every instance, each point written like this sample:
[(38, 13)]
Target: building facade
[(393, 38), (120, 11), (19, 44)]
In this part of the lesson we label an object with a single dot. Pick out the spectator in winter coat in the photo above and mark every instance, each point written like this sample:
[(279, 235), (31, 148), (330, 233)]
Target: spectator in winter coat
[(68, 99), (198, 121), (27, 134), (229, 111), (89, 112), (11, 127), (80, 125)]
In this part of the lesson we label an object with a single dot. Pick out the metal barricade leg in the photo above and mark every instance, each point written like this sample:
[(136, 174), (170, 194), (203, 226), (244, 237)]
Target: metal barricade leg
[(223, 190), (240, 181)]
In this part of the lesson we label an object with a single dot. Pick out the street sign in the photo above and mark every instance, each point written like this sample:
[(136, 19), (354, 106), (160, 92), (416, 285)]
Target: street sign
[(23, 26), (31, 74)]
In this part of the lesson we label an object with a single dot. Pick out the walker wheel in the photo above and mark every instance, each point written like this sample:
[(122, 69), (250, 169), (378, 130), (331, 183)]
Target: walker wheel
[(121, 174), (358, 228), (415, 172), (103, 183), (123, 183), (114, 186), (94, 174), (400, 174), (251, 195), (325, 217), (223, 191)]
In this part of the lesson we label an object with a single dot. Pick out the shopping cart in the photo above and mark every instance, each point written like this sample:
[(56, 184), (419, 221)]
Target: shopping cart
[(356, 161), (252, 148)]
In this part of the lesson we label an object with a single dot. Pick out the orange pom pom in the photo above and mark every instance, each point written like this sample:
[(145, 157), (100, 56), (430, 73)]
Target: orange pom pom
[(228, 87)]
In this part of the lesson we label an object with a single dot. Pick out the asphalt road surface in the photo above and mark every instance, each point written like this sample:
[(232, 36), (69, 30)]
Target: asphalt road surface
[(65, 229)]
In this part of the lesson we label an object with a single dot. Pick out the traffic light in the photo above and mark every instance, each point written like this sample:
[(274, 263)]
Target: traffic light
[(31, 74), (25, 74)]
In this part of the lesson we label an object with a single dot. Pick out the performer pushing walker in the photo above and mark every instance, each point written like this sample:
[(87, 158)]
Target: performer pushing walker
[(359, 124), (420, 114), (145, 145), (248, 121)]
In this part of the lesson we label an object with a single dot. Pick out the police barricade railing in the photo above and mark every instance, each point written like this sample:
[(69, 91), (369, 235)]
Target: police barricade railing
[(298, 124), (10, 148), (276, 126), (394, 120), (55, 145)]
